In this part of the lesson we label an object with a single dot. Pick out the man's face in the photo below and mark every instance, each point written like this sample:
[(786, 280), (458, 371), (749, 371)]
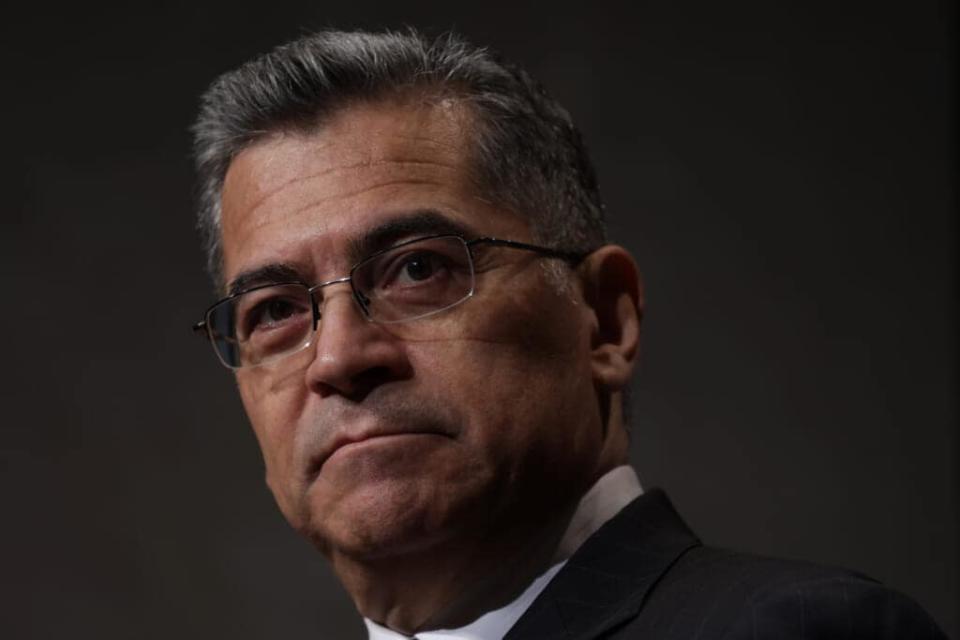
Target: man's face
[(384, 439)]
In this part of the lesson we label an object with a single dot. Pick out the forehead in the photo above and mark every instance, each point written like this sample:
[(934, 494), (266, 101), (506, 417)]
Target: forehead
[(303, 197)]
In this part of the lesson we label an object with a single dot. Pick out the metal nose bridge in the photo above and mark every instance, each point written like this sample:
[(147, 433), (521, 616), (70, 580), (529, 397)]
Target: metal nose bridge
[(358, 297), (317, 287)]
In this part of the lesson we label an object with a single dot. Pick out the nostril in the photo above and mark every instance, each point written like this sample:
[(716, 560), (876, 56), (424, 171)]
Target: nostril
[(369, 379)]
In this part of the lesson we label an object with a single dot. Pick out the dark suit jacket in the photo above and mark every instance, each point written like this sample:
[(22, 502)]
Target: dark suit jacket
[(644, 574)]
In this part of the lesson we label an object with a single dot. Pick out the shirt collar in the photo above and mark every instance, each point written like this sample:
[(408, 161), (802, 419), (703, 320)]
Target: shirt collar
[(612, 492), (492, 625)]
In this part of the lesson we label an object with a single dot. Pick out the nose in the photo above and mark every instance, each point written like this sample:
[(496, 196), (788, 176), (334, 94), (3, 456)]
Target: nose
[(352, 356)]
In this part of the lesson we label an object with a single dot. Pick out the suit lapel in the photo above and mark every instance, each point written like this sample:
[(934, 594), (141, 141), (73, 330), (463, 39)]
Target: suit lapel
[(607, 580)]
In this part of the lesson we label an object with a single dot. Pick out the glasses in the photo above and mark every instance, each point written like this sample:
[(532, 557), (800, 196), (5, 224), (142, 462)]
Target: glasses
[(408, 281)]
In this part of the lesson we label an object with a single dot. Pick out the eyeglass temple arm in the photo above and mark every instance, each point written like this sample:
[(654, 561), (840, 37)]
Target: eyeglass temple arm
[(569, 256), (200, 329)]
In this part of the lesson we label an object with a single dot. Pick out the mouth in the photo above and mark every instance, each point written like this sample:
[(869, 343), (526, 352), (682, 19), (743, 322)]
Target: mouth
[(348, 443)]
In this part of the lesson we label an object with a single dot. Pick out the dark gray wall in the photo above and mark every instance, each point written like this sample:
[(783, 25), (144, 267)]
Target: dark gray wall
[(784, 173)]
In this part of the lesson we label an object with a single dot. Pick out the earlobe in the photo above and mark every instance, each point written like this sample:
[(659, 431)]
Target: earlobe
[(613, 290)]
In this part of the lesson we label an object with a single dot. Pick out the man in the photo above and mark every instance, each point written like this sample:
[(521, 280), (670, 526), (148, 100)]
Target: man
[(432, 338)]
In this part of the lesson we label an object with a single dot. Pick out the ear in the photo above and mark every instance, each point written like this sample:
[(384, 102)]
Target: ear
[(613, 291)]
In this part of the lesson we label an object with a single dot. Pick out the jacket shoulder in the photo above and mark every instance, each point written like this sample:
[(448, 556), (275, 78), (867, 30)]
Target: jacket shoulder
[(713, 593)]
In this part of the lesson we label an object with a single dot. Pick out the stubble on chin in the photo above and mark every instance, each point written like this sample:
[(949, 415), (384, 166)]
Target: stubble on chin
[(365, 503)]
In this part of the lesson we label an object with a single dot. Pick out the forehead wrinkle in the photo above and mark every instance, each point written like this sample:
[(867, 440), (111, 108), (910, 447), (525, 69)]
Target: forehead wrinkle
[(350, 194), (267, 194), (361, 164), (432, 141), (451, 143)]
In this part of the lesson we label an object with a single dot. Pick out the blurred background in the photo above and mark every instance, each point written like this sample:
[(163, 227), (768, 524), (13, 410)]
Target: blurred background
[(784, 172)]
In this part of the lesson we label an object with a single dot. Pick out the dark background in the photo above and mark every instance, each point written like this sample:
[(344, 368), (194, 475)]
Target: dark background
[(784, 173)]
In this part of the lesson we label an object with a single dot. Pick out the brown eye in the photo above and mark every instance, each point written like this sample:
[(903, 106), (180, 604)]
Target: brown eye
[(418, 267), (277, 310), (273, 312)]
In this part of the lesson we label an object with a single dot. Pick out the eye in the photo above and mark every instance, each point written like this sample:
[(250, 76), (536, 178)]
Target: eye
[(418, 267), (419, 273), (273, 312)]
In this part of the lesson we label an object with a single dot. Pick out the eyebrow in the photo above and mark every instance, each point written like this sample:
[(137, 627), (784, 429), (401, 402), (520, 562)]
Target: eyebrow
[(421, 222), (267, 274)]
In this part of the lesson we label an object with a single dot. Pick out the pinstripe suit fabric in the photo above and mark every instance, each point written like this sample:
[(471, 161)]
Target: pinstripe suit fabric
[(645, 575)]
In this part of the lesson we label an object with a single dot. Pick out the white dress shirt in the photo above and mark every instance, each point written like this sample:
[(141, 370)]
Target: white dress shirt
[(612, 492)]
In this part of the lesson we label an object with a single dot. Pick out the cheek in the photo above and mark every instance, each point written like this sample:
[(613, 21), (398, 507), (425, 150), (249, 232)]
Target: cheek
[(528, 435), (521, 382), (272, 409), (528, 348)]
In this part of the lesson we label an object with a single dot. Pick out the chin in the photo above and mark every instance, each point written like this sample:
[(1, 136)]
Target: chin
[(377, 521), (398, 511), (392, 496)]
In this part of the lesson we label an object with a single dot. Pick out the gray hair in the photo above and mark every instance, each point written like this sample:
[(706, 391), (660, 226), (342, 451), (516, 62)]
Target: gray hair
[(527, 153)]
